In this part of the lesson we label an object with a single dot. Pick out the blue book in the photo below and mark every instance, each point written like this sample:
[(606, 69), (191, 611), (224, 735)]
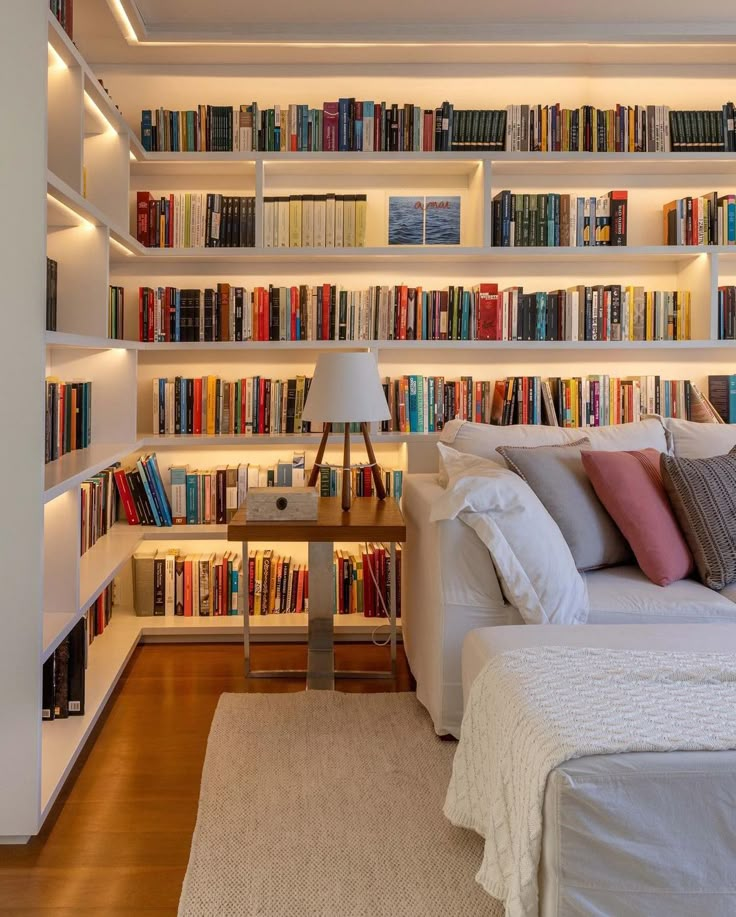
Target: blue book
[(147, 130), (731, 221), (732, 399), (358, 136), (153, 504), (430, 404), (192, 499), (183, 406), (541, 329), (234, 586), (283, 474), (413, 405), (398, 482), (465, 318), (159, 495), (343, 125), (177, 315)]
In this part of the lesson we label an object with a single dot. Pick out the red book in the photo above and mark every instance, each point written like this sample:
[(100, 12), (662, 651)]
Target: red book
[(263, 309), (326, 330), (151, 300), (141, 306), (489, 313), (261, 406), (299, 589), (187, 588), (330, 120), (478, 402), (197, 406), (126, 496), (293, 307), (619, 209), (143, 223), (403, 305), (428, 137)]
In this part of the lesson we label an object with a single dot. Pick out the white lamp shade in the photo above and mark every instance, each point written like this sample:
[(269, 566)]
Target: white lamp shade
[(346, 388)]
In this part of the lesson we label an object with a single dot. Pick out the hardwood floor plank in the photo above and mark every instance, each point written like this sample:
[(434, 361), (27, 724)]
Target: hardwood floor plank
[(117, 842)]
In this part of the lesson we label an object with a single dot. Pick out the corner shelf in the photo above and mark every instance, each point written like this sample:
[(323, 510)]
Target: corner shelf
[(71, 469), (87, 342), (56, 625)]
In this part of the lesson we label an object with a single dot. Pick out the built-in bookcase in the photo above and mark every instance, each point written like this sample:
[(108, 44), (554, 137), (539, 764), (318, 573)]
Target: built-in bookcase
[(84, 190)]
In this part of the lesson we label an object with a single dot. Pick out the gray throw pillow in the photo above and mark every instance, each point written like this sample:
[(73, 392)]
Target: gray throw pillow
[(557, 477), (703, 496)]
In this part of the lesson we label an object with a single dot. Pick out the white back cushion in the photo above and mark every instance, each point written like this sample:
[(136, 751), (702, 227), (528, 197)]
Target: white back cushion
[(700, 440)]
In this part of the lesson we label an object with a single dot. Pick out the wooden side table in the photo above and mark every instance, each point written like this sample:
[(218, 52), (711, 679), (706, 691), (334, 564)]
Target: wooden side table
[(368, 519)]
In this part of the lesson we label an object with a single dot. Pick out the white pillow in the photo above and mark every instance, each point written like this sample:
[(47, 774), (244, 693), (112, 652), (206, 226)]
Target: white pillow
[(700, 440), (626, 437), (534, 564)]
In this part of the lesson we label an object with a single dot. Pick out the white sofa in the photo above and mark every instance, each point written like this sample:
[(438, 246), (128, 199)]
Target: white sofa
[(451, 584)]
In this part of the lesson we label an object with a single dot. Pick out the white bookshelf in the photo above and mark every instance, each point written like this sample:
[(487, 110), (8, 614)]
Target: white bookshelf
[(84, 164)]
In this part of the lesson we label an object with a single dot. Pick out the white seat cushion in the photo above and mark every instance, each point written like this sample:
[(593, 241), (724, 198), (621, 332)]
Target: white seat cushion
[(620, 595)]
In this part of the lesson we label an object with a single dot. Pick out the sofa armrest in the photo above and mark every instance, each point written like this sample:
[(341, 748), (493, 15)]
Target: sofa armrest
[(451, 588)]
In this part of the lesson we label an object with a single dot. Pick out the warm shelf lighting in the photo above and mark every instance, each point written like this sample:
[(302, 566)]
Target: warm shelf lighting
[(77, 216), (120, 245), (89, 101), (58, 62), (123, 21), (133, 157)]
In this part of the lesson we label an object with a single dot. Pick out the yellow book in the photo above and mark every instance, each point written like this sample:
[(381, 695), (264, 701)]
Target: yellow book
[(295, 221), (211, 404), (361, 217)]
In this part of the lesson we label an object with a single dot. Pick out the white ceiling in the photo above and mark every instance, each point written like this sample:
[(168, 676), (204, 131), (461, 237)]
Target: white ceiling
[(211, 32), (192, 16)]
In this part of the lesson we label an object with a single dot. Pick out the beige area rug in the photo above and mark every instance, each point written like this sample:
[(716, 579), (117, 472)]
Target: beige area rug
[(322, 804)]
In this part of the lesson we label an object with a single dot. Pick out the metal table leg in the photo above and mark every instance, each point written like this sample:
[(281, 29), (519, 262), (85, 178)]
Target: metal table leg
[(321, 647)]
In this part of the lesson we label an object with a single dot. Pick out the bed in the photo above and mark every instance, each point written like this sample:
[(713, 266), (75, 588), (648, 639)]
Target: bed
[(639, 833)]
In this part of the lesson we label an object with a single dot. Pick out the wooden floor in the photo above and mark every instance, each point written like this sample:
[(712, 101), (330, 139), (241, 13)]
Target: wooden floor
[(117, 841)]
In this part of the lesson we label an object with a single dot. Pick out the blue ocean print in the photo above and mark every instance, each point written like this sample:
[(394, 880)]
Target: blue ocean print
[(405, 220), (442, 220)]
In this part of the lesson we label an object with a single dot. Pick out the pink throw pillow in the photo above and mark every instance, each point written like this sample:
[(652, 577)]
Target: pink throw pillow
[(630, 487)]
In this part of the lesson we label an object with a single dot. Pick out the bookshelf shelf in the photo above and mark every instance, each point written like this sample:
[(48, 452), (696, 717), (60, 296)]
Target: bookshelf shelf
[(71, 469), (284, 625), (267, 439), (56, 625), (86, 342), (99, 564)]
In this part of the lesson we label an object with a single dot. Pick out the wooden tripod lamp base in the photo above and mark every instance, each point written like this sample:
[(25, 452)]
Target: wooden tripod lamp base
[(346, 488)]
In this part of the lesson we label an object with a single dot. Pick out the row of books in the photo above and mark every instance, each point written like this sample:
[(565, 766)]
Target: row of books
[(212, 406), (585, 313), (195, 220), (63, 676), (64, 12), (482, 312), (116, 313), (623, 129), (142, 492), (329, 482), (203, 497), (722, 395), (706, 220), (727, 313), (52, 277), (98, 507), (593, 401), (170, 582), (352, 125), (559, 219), (68, 423), (315, 220), (346, 125)]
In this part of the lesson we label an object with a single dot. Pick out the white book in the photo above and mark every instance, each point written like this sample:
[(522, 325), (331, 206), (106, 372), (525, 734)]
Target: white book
[(320, 215), (254, 476), (195, 558), (339, 214), (268, 233), (330, 221), (170, 583), (348, 232), (242, 483), (283, 222), (307, 221)]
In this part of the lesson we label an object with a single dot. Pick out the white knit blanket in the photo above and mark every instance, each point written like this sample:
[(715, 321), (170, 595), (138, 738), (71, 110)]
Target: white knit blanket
[(532, 709)]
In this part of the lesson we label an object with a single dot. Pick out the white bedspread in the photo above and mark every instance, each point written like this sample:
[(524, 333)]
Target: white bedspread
[(531, 709)]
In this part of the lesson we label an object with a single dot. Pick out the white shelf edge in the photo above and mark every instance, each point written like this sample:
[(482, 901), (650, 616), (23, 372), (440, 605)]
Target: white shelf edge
[(74, 467), (87, 342), (191, 441), (56, 625), (100, 563)]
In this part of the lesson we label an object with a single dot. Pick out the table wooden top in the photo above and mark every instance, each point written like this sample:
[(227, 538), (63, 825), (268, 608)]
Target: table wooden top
[(368, 519)]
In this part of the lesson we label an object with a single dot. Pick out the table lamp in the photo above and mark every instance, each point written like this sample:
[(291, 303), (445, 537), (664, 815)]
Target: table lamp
[(346, 389)]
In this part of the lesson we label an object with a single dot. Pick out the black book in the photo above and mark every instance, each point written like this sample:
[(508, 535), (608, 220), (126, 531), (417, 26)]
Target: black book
[(238, 300), (145, 514), (61, 680), (177, 404), (209, 314), (290, 404), (220, 496), (159, 586), (47, 689), (190, 406), (77, 666)]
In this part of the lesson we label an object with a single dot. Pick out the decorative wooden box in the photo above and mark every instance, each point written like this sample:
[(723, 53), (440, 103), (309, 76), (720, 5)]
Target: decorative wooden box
[(272, 504)]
